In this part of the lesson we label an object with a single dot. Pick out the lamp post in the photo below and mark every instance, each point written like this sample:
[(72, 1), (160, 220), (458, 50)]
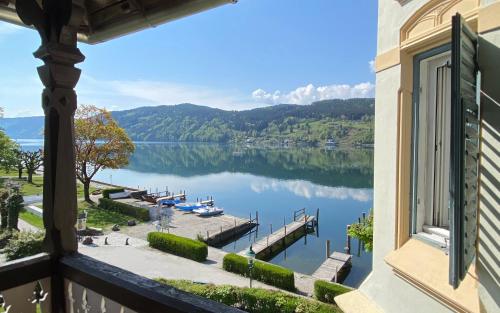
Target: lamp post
[(250, 254)]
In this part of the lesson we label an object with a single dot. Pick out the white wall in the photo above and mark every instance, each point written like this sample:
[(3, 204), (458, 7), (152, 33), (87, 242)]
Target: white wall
[(489, 208), (392, 15), (382, 286)]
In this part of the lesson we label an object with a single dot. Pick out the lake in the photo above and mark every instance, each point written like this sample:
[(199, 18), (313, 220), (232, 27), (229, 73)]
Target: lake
[(272, 181)]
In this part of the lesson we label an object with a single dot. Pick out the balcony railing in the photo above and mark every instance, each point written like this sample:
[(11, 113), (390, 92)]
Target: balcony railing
[(91, 286)]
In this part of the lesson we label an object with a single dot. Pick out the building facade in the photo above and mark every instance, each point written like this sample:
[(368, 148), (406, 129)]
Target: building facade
[(437, 139)]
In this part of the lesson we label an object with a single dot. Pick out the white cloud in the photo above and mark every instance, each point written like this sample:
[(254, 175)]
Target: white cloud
[(125, 94), (371, 64), (308, 94), (308, 190)]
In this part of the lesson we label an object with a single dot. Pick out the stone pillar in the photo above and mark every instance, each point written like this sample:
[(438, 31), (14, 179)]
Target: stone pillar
[(57, 22)]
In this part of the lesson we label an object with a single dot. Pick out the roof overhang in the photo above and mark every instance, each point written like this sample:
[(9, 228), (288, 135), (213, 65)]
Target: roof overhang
[(108, 19)]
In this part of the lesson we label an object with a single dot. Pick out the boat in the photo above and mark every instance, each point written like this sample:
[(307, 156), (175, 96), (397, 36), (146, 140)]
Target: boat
[(208, 211), (189, 206), (168, 202)]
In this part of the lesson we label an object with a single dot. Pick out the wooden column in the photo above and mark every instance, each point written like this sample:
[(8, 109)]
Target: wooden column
[(57, 22)]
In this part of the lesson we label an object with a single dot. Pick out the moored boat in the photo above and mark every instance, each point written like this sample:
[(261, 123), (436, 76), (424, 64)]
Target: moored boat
[(169, 202), (208, 211), (189, 206)]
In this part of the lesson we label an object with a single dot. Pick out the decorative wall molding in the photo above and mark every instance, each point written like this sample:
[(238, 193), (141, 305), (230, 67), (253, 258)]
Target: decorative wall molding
[(434, 15)]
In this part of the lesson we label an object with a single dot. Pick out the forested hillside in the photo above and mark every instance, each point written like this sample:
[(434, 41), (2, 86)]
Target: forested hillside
[(347, 122)]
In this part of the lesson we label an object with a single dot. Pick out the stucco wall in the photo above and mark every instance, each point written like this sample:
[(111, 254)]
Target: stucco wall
[(391, 293), (383, 286), (392, 15), (489, 208)]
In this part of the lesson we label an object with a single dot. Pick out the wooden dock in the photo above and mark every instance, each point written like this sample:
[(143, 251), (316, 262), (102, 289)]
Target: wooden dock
[(209, 202), (335, 267), (275, 242), (228, 232), (181, 196)]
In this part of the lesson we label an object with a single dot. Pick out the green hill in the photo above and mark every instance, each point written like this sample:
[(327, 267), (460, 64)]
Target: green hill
[(347, 122)]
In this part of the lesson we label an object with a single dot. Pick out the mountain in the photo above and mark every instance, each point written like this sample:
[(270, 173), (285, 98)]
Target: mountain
[(343, 121), (23, 127)]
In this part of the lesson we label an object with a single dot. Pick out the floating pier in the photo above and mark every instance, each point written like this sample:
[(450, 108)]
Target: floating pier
[(229, 232), (210, 201), (153, 197), (275, 242), (336, 266)]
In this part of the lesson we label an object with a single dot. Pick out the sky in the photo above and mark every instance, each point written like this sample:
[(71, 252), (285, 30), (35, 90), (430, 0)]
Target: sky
[(250, 54)]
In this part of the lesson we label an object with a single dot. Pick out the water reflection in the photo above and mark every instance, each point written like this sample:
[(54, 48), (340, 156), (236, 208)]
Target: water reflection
[(347, 168), (308, 190)]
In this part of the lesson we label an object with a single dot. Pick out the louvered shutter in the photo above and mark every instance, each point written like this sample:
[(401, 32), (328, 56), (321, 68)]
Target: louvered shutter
[(464, 150)]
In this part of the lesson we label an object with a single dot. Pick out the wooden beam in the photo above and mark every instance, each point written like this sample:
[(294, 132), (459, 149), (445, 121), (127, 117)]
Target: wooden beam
[(22, 271)]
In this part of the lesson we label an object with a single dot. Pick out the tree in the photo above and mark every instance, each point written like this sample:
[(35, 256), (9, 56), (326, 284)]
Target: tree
[(4, 212), (7, 154), (32, 161), (19, 162), (99, 143), (14, 206)]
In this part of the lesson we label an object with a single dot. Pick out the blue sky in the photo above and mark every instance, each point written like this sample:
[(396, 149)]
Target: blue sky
[(250, 54)]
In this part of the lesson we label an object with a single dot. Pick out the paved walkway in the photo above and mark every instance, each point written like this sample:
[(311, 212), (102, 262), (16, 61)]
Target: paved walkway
[(142, 260), (25, 226)]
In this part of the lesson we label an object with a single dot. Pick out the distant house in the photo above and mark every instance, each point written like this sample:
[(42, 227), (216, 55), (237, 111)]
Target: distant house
[(330, 143), (436, 173)]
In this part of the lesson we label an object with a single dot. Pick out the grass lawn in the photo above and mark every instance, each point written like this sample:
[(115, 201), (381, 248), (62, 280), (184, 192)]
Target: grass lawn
[(102, 218), (31, 218), (96, 217), (36, 188)]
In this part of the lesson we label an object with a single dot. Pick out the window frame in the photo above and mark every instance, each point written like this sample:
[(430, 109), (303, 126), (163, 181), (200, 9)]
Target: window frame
[(417, 60)]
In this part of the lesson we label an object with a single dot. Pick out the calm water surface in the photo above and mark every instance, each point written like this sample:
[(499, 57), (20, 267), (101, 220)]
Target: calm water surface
[(272, 181)]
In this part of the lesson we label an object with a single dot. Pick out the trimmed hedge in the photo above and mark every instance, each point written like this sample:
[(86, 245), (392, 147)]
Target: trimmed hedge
[(267, 273), (106, 192), (123, 208), (326, 292), (181, 246), (253, 300)]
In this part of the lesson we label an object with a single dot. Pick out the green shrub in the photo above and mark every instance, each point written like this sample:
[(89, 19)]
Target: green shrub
[(181, 246), (23, 245), (14, 206), (363, 231), (326, 292), (267, 273), (130, 210), (6, 235), (253, 300), (106, 192)]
